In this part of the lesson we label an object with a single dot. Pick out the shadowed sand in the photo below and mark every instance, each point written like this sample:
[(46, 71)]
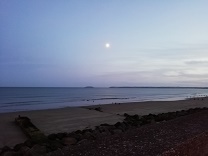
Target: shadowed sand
[(154, 107), (74, 118), (52, 121)]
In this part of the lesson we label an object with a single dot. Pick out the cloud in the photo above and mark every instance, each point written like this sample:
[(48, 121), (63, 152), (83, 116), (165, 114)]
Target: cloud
[(173, 52), (197, 62)]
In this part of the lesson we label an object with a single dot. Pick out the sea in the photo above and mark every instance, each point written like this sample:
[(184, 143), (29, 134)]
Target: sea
[(13, 99)]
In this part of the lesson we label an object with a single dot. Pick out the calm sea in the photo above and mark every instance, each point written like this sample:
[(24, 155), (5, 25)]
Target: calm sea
[(21, 99)]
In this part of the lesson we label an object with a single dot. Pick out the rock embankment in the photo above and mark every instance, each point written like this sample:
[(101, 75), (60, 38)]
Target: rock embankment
[(141, 135), (186, 135)]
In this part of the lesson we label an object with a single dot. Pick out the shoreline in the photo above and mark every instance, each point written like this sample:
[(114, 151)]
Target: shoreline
[(46, 101), (78, 118), (173, 99)]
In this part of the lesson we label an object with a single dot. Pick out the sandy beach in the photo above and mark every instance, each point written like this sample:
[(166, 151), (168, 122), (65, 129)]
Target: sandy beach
[(75, 118)]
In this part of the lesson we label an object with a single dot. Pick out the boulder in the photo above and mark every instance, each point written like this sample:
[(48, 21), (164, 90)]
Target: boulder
[(10, 153), (88, 135), (102, 128), (97, 133), (78, 132), (52, 136), (5, 149), (82, 141), (117, 124), (117, 131), (98, 109), (136, 117), (77, 136), (61, 135), (105, 124), (121, 126), (69, 141), (86, 130), (23, 150), (54, 145), (18, 146), (29, 143), (37, 149)]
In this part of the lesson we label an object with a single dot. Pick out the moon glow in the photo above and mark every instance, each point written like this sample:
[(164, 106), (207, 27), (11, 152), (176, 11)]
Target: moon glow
[(107, 45)]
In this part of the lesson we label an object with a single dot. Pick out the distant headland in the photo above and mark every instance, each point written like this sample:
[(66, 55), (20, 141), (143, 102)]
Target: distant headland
[(157, 87), (89, 87)]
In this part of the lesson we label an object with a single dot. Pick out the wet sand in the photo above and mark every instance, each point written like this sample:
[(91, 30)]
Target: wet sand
[(74, 118)]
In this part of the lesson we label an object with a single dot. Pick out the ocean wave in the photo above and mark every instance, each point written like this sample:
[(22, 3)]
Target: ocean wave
[(9, 104), (107, 99)]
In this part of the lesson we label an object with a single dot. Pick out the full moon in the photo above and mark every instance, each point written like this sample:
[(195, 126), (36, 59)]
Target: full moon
[(107, 45)]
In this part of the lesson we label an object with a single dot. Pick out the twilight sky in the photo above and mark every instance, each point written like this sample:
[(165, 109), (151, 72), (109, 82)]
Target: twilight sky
[(62, 43)]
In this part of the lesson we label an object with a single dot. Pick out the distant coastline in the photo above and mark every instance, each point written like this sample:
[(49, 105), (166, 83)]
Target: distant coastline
[(159, 87), (89, 87), (109, 87)]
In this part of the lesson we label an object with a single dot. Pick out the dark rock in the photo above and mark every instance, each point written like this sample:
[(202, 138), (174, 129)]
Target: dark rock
[(117, 131), (38, 137), (117, 124), (121, 126), (191, 110), (5, 149), (10, 153), (78, 131), (106, 133), (69, 141), (152, 121), (54, 145), (102, 128), (127, 126), (182, 113), (61, 135), (134, 120), (160, 117), (96, 133), (138, 123), (86, 130), (88, 135), (24, 150), (58, 152), (37, 149), (52, 136), (77, 136), (29, 143), (136, 117), (82, 141), (150, 117), (18, 146), (98, 109), (105, 124)]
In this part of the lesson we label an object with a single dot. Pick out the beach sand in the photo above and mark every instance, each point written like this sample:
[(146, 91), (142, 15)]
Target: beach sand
[(75, 118)]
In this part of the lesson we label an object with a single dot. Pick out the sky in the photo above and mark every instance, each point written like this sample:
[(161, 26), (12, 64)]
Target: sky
[(53, 43)]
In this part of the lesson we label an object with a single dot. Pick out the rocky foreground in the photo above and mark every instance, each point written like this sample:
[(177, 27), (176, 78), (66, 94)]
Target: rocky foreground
[(161, 134), (173, 137)]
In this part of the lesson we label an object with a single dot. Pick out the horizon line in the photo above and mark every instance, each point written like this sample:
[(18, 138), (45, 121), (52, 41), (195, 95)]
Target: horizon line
[(103, 87)]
